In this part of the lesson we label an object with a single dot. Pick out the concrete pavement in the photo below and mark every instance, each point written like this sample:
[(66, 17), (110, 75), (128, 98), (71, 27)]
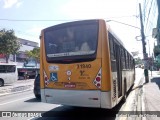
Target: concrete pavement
[(19, 86), (143, 102), (147, 99), (151, 97)]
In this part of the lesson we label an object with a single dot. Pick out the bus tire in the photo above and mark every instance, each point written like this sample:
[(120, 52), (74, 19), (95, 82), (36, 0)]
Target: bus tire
[(125, 92), (1, 82), (38, 97)]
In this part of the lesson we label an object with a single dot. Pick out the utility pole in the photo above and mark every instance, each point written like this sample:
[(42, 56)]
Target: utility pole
[(145, 55)]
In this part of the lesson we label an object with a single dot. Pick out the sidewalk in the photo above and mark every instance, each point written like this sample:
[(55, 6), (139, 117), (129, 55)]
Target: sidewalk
[(151, 97), (19, 86), (143, 102)]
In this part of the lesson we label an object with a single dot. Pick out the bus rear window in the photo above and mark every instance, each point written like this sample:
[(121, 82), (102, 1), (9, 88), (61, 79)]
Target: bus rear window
[(71, 40)]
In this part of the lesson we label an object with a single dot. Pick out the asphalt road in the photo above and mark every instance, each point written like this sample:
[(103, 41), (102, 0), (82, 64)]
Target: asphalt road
[(25, 102)]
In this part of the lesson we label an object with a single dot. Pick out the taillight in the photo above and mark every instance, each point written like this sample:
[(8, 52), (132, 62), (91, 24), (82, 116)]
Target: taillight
[(97, 80), (46, 80)]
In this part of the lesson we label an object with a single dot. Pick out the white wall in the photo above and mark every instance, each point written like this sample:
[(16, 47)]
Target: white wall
[(25, 47)]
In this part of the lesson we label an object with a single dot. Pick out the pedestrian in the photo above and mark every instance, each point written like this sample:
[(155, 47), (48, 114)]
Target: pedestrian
[(25, 75)]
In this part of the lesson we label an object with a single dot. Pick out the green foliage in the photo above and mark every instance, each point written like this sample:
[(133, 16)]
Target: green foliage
[(9, 43), (35, 53), (138, 61), (158, 61), (156, 50)]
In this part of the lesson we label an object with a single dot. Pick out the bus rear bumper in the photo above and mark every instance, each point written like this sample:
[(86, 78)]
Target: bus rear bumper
[(81, 98)]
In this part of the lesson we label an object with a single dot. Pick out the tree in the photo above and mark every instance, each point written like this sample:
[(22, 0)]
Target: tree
[(9, 43), (138, 61), (35, 54), (156, 50)]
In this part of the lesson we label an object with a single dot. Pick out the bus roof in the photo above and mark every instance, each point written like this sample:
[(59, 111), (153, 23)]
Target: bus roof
[(112, 32), (117, 38)]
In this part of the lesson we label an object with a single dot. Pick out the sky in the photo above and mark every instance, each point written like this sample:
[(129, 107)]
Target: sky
[(28, 17)]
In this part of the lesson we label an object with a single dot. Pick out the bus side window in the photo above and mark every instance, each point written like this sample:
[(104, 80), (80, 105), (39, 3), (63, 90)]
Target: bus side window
[(11, 68), (112, 53), (2, 69), (126, 59), (123, 58), (111, 43)]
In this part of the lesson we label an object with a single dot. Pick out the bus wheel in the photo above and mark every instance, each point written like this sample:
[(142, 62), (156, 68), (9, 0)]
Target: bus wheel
[(125, 92), (1, 82)]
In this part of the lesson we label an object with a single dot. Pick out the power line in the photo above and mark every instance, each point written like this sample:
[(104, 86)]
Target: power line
[(148, 14), (41, 20), (30, 20), (123, 23)]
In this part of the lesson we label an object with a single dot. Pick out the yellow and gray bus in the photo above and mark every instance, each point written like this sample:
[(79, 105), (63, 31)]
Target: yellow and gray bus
[(83, 63)]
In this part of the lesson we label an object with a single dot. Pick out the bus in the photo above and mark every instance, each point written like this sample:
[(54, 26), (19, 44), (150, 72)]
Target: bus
[(83, 63), (8, 73)]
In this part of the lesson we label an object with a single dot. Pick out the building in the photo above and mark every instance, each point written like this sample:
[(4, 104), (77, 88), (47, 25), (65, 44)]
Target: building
[(150, 18), (30, 66), (158, 23), (26, 45)]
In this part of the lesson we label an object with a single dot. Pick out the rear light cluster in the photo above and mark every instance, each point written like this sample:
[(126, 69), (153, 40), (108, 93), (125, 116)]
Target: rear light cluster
[(97, 80), (46, 80)]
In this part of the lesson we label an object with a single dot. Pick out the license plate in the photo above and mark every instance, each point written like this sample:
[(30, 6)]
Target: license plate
[(69, 85)]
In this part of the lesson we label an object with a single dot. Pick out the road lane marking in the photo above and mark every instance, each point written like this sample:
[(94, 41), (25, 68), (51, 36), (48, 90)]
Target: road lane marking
[(14, 101)]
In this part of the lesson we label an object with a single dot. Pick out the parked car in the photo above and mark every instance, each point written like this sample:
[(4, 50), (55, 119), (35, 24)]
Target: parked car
[(37, 92)]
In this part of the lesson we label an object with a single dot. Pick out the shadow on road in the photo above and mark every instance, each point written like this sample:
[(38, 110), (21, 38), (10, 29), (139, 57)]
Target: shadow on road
[(33, 100), (156, 80), (6, 85), (80, 113), (137, 87)]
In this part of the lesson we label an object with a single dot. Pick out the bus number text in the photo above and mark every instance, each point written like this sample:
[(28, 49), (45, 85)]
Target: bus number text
[(80, 66)]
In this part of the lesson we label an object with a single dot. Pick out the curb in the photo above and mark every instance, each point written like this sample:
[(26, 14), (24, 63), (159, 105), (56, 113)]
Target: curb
[(143, 103), (138, 95)]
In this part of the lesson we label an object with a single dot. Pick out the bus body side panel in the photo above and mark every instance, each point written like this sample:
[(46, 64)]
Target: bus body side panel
[(9, 77), (130, 78), (82, 98), (42, 56), (106, 68), (107, 91), (106, 100)]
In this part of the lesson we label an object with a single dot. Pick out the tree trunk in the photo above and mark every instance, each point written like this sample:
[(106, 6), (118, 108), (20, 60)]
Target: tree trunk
[(7, 57), (36, 66)]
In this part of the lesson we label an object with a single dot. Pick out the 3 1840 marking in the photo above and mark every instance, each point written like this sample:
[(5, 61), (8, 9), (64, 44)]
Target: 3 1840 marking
[(83, 66)]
